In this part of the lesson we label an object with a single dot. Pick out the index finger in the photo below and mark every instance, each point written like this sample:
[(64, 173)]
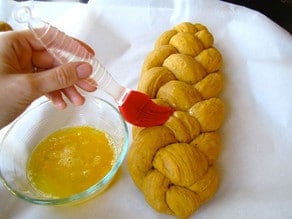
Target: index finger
[(41, 58), (37, 45)]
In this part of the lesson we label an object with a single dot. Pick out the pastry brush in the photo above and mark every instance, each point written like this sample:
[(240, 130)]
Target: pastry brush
[(136, 107)]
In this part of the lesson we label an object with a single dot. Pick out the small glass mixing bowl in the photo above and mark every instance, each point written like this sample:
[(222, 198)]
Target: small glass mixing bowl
[(42, 120)]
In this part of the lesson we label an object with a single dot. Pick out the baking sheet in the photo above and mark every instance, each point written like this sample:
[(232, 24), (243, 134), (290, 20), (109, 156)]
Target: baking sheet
[(255, 168)]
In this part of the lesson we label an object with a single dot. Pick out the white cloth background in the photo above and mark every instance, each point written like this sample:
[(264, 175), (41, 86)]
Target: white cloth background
[(255, 163)]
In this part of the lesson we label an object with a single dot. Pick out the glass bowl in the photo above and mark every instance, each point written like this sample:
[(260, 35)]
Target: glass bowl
[(42, 120)]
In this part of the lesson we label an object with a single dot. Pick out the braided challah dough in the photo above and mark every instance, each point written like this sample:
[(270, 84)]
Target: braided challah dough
[(173, 164), (4, 26)]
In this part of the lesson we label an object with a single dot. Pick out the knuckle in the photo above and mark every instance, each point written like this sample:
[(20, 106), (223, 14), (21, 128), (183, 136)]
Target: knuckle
[(31, 87), (63, 78)]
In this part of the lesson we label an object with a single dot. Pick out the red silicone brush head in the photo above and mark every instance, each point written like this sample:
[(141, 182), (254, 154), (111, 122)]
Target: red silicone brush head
[(138, 109)]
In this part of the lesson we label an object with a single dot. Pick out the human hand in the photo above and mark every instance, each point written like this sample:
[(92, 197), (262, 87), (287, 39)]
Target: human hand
[(28, 71)]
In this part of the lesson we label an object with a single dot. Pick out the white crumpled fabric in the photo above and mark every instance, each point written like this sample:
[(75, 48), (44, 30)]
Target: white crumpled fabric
[(255, 163)]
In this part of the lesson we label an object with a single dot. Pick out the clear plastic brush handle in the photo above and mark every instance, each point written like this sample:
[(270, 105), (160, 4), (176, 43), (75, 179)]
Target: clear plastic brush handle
[(65, 49)]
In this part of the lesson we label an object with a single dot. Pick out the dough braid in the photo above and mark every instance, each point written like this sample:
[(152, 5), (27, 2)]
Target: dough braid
[(4, 26), (173, 164)]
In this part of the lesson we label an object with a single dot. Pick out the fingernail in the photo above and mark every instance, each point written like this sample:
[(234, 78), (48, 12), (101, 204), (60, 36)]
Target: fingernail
[(91, 82), (84, 70)]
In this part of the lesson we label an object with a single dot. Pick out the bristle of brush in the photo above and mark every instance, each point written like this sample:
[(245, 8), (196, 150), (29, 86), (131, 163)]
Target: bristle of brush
[(139, 110)]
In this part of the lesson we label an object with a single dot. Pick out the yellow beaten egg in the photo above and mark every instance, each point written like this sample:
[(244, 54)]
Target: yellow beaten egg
[(70, 161)]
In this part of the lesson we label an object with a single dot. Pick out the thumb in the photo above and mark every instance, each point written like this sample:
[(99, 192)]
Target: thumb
[(62, 76)]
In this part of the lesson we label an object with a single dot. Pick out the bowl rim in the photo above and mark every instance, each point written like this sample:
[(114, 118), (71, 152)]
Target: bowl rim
[(89, 191)]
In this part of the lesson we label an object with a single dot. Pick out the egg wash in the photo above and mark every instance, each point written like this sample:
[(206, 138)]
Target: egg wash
[(70, 161)]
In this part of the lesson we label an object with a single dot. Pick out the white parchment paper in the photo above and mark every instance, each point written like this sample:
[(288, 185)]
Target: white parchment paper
[(255, 163)]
